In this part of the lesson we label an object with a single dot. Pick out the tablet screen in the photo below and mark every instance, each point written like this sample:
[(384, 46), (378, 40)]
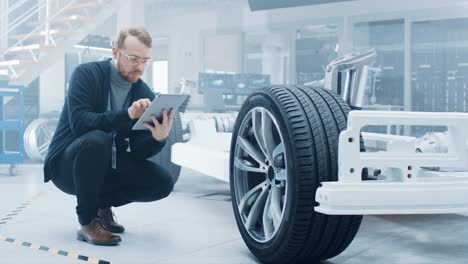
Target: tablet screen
[(164, 101)]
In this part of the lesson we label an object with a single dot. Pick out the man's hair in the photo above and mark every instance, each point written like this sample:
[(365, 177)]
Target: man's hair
[(139, 32)]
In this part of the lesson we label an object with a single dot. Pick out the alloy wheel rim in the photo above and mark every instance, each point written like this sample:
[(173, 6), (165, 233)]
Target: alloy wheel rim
[(260, 174)]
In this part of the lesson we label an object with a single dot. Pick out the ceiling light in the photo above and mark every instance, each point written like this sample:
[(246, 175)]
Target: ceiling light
[(9, 63), (27, 47)]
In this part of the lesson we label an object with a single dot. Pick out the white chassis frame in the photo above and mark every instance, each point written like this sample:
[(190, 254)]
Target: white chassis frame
[(406, 188), (402, 188)]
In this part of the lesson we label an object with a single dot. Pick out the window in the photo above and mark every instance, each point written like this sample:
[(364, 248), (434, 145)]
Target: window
[(316, 47), (387, 38)]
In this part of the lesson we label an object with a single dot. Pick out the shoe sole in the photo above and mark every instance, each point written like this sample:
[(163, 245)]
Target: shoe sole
[(82, 238)]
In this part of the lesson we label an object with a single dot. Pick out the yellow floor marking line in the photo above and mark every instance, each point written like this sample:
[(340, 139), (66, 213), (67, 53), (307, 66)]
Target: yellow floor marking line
[(54, 251)]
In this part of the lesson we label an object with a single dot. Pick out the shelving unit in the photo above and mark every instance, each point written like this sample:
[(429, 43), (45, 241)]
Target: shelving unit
[(15, 125)]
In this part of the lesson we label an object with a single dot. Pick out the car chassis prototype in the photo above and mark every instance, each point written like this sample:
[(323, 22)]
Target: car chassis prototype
[(302, 172)]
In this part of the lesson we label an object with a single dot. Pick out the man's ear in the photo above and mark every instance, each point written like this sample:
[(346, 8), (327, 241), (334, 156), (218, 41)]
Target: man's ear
[(114, 53)]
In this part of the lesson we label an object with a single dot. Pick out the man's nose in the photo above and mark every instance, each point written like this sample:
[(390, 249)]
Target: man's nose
[(140, 67)]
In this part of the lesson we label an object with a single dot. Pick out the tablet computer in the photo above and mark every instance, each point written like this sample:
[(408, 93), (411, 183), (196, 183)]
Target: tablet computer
[(164, 101)]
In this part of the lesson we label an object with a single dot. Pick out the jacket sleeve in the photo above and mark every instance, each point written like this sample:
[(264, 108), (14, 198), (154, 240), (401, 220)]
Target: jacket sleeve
[(142, 143), (82, 115)]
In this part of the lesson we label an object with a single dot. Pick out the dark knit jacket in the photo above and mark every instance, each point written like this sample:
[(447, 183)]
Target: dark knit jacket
[(85, 110)]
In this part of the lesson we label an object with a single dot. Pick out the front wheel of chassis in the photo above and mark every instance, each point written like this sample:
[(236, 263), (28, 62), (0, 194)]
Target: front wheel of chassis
[(284, 144)]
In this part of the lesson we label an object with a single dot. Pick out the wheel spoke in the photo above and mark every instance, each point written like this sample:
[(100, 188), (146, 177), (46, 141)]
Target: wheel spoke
[(258, 124), (249, 196), (46, 131), (241, 165), (44, 147), (267, 134), (275, 206), (268, 227), (251, 151), (257, 208)]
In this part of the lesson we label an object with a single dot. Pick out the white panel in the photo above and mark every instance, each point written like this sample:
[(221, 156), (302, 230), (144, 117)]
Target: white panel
[(160, 76)]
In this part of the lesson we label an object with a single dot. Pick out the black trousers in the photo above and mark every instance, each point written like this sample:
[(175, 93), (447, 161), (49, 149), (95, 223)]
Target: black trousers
[(84, 169)]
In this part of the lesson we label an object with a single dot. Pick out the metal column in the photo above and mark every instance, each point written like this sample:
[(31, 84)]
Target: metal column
[(407, 72)]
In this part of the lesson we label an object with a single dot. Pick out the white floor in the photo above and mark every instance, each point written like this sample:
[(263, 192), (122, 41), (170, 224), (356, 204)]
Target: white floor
[(194, 225)]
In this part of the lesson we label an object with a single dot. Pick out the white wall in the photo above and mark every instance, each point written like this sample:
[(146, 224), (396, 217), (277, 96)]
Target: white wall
[(185, 46), (52, 90), (131, 14), (222, 52)]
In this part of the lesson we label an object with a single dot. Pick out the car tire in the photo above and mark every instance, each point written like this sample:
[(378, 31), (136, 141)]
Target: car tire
[(277, 220)]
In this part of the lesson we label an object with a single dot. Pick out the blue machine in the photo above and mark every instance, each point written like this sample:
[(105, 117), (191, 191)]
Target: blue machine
[(226, 91), (12, 125), (231, 84)]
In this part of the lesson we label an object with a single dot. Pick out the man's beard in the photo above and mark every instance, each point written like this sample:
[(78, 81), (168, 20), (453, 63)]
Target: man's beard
[(127, 77)]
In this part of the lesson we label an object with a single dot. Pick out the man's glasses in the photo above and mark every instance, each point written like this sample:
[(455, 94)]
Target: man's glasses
[(134, 60)]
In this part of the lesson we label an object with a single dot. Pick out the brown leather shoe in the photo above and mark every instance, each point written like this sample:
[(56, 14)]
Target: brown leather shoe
[(94, 233), (106, 217)]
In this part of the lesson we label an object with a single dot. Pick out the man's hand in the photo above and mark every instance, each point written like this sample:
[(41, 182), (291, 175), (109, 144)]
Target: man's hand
[(160, 131), (138, 108)]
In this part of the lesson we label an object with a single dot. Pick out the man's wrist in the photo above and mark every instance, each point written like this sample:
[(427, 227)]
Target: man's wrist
[(162, 140)]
